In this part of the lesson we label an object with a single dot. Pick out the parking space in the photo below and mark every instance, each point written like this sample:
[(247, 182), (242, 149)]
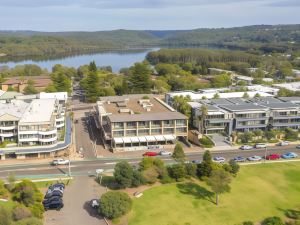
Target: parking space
[(77, 209)]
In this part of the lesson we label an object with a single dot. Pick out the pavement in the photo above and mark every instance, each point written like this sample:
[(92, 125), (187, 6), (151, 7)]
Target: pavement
[(76, 210), (84, 167)]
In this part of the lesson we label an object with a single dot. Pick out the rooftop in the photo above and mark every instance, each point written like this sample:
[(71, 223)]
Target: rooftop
[(15, 108), (40, 110), (243, 107), (10, 95), (293, 86), (39, 81), (136, 108)]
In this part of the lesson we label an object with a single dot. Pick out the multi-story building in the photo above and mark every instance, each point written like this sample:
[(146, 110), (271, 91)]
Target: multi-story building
[(240, 115), (139, 122)]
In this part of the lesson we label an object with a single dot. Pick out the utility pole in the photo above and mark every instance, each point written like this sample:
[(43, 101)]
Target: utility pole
[(265, 154)]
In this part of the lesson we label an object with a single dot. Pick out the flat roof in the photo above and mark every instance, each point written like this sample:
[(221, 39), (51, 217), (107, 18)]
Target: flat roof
[(10, 95), (15, 108), (243, 107), (290, 99), (293, 86), (280, 105), (40, 110)]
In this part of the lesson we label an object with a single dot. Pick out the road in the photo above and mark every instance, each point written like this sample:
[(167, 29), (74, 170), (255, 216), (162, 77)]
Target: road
[(84, 167)]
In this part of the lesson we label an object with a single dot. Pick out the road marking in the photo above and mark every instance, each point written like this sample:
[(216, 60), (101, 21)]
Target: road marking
[(110, 163)]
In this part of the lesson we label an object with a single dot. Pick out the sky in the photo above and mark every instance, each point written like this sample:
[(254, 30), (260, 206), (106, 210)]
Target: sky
[(95, 15)]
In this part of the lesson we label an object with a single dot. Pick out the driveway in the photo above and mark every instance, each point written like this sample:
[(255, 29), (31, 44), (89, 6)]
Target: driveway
[(77, 210)]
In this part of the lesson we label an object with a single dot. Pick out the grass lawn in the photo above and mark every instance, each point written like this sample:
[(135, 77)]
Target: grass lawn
[(46, 184), (259, 191)]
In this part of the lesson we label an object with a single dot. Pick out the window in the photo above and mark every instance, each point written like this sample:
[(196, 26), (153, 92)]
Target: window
[(168, 123), (118, 133), (144, 124), (130, 132), (155, 131), (180, 123), (168, 130), (131, 124), (181, 130), (156, 123), (143, 132), (118, 125)]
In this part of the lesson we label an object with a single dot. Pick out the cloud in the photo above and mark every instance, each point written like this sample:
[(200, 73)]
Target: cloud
[(116, 4)]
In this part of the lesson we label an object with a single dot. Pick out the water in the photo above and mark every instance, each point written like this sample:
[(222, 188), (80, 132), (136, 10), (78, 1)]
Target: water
[(116, 60)]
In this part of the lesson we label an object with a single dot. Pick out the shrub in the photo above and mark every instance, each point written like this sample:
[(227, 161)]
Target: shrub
[(21, 212), (206, 142), (248, 223), (29, 221), (114, 204), (177, 171), (150, 175), (123, 174), (178, 154), (5, 216), (191, 169), (3, 190), (235, 167), (272, 221), (37, 210), (293, 214)]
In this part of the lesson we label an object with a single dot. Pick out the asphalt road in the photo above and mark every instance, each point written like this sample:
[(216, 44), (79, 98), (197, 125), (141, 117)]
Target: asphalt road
[(84, 167)]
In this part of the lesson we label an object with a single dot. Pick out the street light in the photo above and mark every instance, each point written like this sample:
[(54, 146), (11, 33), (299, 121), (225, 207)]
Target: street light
[(265, 154)]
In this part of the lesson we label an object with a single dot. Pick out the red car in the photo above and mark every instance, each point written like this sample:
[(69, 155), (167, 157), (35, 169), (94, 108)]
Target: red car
[(273, 157), (150, 154)]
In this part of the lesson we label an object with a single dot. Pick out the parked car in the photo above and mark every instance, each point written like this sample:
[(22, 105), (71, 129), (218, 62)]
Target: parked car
[(289, 155), (283, 143), (52, 199), (95, 203), (53, 193), (219, 159), (165, 153), (60, 185), (260, 145), (246, 147), (298, 146), (57, 204), (56, 162), (254, 158), (150, 154), (196, 161), (273, 157), (239, 159), (51, 189)]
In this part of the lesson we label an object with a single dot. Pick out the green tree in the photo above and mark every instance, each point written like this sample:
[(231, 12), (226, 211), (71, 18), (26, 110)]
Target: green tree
[(139, 79), (219, 182), (180, 103), (222, 80), (246, 95), (291, 134), (30, 89), (178, 154), (27, 193), (177, 171), (29, 221), (93, 67), (21, 212), (191, 169), (91, 86), (235, 167), (114, 204), (270, 134), (216, 96), (165, 68), (123, 174), (11, 181), (205, 168)]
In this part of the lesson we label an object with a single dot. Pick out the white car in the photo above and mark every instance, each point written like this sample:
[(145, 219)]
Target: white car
[(246, 147), (254, 158), (283, 143), (260, 145), (219, 159), (165, 153), (56, 162)]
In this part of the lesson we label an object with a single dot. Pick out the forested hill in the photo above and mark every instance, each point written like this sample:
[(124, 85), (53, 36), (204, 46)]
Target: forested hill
[(261, 38)]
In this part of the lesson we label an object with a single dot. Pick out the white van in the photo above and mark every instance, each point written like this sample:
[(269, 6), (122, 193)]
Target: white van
[(260, 145)]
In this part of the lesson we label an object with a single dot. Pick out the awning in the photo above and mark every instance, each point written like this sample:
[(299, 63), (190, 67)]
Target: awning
[(118, 140), (142, 139), (169, 137), (134, 140), (126, 139), (150, 138), (160, 138)]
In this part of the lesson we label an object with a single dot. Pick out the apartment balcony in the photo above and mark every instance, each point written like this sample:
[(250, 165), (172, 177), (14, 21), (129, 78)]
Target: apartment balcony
[(278, 117), (28, 139), (251, 126), (251, 119), (8, 134), (60, 125), (60, 119), (29, 132), (10, 127), (48, 132), (48, 139)]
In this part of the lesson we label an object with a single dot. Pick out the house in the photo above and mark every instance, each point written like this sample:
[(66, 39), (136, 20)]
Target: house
[(19, 83), (139, 122)]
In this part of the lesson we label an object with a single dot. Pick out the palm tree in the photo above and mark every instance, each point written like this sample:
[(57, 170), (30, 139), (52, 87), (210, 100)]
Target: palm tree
[(204, 112)]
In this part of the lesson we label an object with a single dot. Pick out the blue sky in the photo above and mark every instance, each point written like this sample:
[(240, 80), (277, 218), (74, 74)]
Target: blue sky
[(92, 15)]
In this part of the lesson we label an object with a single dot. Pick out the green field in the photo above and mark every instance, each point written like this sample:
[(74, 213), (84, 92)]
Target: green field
[(258, 192)]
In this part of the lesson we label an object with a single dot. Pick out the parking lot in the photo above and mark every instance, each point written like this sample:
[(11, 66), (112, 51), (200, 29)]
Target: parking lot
[(77, 209)]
